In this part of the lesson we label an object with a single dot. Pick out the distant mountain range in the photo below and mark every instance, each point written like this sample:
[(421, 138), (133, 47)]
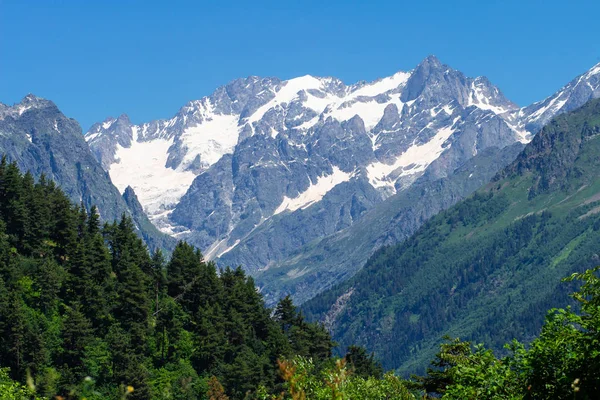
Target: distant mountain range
[(299, 181), (274, 175), (487, 268)]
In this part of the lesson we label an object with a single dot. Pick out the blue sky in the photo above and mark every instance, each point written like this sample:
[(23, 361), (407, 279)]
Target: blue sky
[(147, 58)]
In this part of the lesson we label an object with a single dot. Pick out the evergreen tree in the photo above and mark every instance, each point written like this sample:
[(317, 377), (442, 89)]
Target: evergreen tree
[(77, 333), (102, 282), (78, 300), (362, 363), (13, 207)]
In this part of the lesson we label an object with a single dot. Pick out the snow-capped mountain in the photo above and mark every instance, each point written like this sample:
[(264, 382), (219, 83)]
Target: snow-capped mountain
[(573, 95), (387, 131), (307, 157)]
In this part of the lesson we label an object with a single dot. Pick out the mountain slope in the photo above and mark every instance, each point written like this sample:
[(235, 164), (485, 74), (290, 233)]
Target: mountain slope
[(573, 95), (317, 264), (36, 135), (259, 147), (324, 262), (483, 269), (264, 170)]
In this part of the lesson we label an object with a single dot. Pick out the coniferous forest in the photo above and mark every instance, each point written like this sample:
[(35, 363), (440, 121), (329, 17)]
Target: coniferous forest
[(86, 311)]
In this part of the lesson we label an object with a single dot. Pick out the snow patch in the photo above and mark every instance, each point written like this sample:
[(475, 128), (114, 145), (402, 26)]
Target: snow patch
[(414, 160), (308, 124), (228, 249), (478, 99), (553, 105), (288, 93), (447, 109), (341, 108), (382, 85), (22, 109), (595, 70), (142, 166), (315, 192), (213, 249), (91, 136), (370, 112), (213, 138), (161, 221)]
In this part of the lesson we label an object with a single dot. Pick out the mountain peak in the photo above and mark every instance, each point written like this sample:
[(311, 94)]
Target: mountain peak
[(33, 101), (124, 118), (431, 61), (594, 70), (28, 102), (430, 69), (31, 97)]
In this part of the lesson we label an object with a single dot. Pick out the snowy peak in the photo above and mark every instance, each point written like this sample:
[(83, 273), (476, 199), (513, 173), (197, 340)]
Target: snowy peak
[(573, 95), (386, 133), (486, 96), (28, 102), (429, 71), (433, 83)]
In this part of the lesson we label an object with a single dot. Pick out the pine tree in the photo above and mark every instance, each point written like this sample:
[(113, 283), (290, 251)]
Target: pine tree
[(12, 206), (133, 303), (182, 270), (28, 242), (49, 278), (102, 282), (362, 363), (40, 216), (286, 314), (77, 333), (63, 232)]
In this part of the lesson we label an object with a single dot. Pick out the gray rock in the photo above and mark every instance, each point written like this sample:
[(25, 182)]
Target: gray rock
[(36, 135)]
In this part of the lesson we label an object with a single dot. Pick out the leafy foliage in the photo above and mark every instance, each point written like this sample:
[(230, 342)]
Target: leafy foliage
[(305, 381), (11, 390), (562, 363)]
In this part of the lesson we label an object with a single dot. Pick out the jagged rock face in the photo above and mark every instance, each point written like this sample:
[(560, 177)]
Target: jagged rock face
[(313, 267), (263, 167), (36, 135), (258, 148), (573, 95), (41, 139), (552, 154)]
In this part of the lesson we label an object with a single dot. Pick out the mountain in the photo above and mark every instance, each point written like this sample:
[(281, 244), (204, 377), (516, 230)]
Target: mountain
[(269, 174), (318, 264), (42, 140), (324, 262), (573, 95), (486, 268), (263, 167)]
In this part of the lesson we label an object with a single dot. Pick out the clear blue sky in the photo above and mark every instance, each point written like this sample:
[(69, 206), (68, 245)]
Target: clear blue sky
[(147, 58)]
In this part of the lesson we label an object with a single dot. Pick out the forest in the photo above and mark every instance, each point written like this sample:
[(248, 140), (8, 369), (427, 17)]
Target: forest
[(87, 312)]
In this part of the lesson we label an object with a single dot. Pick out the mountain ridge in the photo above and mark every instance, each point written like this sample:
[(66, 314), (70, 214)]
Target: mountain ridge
[(462, 272), (42, 140), (306, 101), (308, 157)]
